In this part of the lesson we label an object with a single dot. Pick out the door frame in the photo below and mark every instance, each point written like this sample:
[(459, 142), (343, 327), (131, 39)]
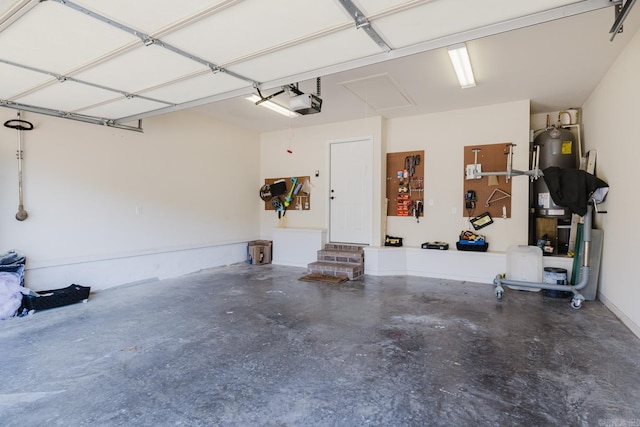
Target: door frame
[(371, 235)]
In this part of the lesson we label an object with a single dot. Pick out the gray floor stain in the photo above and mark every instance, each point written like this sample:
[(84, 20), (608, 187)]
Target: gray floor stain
[(252, 345)]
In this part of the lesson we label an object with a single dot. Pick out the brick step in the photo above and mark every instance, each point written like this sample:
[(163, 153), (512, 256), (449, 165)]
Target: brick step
[(351, 271), (349, 257), (343, 247)]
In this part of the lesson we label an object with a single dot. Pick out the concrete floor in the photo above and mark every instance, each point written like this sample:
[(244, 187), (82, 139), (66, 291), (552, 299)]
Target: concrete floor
[(252, 345)]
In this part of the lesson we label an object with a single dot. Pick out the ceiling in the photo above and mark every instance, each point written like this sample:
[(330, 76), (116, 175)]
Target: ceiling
[(113, 62)]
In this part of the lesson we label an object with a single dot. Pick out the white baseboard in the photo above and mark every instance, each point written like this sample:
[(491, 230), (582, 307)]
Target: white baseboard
[(105, 273), (635, 328)]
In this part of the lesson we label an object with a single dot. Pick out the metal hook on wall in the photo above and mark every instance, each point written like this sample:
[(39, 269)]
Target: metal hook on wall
[(496, 190)]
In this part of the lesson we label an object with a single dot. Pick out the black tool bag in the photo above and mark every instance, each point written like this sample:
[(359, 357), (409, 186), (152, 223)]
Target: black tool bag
[(42, 300)]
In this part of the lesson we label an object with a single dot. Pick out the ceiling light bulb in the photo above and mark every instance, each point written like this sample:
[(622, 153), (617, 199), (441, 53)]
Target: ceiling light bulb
[(462, 64), (272, 106)]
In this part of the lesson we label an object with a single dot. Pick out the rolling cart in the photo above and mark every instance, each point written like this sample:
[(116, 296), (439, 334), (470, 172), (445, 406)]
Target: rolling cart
[(581, 192)]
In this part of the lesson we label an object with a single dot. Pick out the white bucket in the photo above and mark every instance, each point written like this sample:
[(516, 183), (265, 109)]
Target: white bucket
[(524, 263)]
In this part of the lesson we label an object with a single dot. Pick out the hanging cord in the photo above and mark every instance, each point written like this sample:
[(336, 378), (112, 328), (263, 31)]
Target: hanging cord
[(291, 135), (20, 125)]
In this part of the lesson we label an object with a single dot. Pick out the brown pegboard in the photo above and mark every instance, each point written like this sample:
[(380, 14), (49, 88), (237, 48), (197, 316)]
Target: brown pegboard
[(492, 158), (396, 163), (302, 199)]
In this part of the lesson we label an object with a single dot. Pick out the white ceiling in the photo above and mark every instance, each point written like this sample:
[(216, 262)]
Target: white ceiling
[(111, 62)]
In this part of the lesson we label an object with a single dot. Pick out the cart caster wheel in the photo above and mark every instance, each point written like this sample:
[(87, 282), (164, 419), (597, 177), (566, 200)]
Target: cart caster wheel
[(499, 295), (576, 304), (84, 301), (31, 312)]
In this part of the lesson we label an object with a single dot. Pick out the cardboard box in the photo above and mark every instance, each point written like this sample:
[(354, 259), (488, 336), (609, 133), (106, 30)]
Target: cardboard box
[(260, 252)]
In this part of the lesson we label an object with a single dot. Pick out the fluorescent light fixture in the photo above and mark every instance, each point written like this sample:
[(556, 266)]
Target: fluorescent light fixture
[(461, 63), (272, 106)]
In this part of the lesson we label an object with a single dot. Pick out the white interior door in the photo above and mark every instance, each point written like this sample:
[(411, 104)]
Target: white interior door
[(351, 191)]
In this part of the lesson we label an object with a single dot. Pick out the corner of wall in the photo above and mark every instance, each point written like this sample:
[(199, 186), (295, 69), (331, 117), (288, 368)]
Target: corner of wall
[(610, 115)]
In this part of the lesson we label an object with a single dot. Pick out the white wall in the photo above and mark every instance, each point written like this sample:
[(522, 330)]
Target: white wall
[(98, 194), (309, 146), (443, 137), (610, 126)]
